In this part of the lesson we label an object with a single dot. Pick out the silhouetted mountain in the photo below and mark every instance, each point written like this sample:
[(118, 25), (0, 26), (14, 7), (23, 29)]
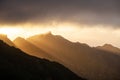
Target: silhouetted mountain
[(16, 65), (110, 48), (92, 63), (6, 40)]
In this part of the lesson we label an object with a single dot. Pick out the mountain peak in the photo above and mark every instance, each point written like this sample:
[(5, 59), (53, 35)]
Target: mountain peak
[(108, 45), (110, 48), (5, 39), (19, 38), (17, 65), (49, 33)]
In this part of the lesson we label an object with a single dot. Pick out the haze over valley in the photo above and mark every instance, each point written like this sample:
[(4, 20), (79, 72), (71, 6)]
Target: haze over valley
[(92, 63), (60, 39)]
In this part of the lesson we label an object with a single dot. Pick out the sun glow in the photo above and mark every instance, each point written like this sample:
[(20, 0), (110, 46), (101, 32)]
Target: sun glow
[(10, 31), (28, 30), (93, 36)]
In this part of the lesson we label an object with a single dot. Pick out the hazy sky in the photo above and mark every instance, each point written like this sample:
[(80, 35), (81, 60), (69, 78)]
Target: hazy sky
[(95, 19)]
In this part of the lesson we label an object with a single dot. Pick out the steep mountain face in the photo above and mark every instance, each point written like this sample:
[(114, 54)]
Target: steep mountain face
[(6, 40), (110, 48), (31, 49), (16, 65), (89, 62)]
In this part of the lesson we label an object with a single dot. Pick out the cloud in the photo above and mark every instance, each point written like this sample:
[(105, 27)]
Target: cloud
[(78, 11)]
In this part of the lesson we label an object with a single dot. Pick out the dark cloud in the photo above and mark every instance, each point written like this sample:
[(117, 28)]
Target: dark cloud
[(78, 11)]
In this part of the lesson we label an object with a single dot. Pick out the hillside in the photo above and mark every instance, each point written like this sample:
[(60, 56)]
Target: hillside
[(6, 40), (16, 65), (31, 49), (92, 63)]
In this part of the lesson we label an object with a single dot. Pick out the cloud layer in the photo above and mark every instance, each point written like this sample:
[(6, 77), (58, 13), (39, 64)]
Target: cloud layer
[(78, 11)]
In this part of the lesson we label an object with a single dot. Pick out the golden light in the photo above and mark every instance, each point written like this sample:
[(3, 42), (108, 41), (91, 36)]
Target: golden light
[(93, 36), (28, 30), (11, 32)]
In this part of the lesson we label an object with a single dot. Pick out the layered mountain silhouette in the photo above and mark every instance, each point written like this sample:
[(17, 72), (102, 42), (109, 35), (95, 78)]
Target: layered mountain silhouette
[(17, 65), (6, 40), (31, 49), (110, 48), (92, 63)]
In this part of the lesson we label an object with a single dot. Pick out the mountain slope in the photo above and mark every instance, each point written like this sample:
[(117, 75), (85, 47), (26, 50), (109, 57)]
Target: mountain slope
[(31, 49), (89, 62), (6, 40), (16, 65), (110, 48)]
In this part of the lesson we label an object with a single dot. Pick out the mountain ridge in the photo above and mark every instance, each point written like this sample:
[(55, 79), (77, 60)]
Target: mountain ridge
[(15, 64), (29, 48), (85, 61), (92, 63), (6, 40), (110, 48)]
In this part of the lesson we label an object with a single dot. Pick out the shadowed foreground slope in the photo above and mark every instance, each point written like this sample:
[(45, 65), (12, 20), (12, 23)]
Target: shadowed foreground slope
[(16, 65)]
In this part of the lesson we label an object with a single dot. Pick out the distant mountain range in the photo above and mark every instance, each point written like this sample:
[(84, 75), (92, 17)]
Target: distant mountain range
[(17, 65), (110, 48), (92, 63)]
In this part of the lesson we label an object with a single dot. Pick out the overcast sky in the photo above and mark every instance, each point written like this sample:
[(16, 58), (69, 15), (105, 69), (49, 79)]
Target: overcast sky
[(101, 19), (91, 12)]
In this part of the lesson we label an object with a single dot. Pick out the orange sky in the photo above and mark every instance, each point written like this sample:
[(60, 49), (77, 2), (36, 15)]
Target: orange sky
[(94, 35)]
